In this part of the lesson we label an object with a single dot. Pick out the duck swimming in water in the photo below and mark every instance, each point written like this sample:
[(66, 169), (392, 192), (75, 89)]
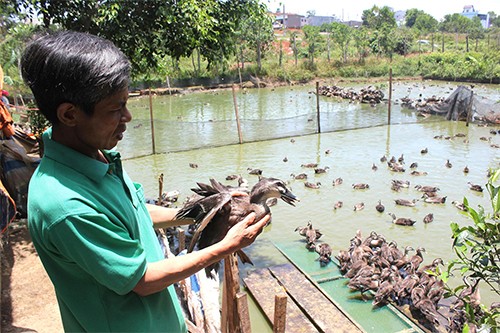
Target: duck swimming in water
[(402, 220), (380, 207), (429, 218), (338, 205), (312, 185), (406, 202), (475, 187), (215, 210)]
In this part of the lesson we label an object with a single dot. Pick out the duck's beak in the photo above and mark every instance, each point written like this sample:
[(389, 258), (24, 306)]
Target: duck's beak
[(289, 198)]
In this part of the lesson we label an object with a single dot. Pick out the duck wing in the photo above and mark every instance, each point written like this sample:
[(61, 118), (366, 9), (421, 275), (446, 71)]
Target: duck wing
[(206, 190), (203, 211)]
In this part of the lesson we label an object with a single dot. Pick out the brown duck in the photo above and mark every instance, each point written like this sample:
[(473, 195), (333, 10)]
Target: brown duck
[(402, 220), (216, 210)]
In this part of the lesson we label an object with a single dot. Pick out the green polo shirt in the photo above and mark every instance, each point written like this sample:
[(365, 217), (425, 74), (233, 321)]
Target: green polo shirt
[(94, 235)]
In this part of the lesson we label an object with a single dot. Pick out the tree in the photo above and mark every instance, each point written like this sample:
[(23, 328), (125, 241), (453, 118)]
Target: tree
[(146, 31), (361, 42), (295, 49), (342, 37), (404, 38), (376, 17), (256, 29), (494, 19), (411, 16), (455, 23), (312, 37), (476, 30), (425, 24)]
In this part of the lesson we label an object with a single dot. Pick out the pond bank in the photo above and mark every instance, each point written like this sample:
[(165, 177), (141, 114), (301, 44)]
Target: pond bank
[(263, 83)]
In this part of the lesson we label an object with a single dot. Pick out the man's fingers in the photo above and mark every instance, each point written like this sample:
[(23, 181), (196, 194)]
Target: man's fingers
[(262, 222)]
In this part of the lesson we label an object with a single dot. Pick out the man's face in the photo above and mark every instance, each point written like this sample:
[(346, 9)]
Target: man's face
[(106, 126)]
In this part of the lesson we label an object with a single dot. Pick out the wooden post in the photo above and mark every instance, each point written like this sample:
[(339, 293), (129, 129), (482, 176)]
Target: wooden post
[(237, 116), (243, 313), (317, 107), (160, 189), (239, 74), (168, 86), (279, 322), (390, 98), (181, 237), (152, 121), (230, 287)]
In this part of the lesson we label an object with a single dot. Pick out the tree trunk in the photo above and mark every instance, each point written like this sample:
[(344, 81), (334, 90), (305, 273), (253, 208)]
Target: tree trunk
[(241, 58), (281, 54), (295, 52), (199, 59), (259, 65), (194, 65), (328, 47)]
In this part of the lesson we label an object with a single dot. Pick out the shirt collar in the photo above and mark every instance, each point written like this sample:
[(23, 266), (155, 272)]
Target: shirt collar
[(92, 168)]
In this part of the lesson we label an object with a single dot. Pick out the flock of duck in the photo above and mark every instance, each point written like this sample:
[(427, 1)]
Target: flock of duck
[(429, 193), (369, 95), (389, 274)]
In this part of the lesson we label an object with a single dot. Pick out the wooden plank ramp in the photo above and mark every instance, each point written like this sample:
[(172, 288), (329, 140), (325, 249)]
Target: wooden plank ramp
[(308, 309), (263, 286)]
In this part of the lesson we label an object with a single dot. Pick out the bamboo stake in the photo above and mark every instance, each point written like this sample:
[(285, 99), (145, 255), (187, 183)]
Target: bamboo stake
[(152, 121), (237, 116), (317, 106), (390, 98), (181, 237), (160, 188), (279, 322)]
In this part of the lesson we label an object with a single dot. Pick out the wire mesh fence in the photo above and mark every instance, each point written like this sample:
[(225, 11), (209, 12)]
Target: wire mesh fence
[(208, 119)]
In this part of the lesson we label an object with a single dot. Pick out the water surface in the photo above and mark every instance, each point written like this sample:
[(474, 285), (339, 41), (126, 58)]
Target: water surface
[(360, 139)]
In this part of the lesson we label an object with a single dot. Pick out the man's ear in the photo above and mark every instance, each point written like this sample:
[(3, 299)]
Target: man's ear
[(67, 114)]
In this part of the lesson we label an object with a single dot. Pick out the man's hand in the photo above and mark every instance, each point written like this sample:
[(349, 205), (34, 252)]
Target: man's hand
[(245, 232)]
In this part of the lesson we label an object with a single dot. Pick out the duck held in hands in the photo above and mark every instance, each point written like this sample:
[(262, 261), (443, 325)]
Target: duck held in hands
[(217, 207)]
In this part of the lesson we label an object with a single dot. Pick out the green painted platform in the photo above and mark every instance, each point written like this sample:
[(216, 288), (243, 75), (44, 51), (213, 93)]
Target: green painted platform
[(386, 319)]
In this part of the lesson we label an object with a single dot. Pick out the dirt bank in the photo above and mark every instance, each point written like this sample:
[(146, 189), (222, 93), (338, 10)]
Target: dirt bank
[(28, 302)]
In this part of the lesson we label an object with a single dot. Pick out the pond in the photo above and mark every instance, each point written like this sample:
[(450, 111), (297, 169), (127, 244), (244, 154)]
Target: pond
[(352, 154)]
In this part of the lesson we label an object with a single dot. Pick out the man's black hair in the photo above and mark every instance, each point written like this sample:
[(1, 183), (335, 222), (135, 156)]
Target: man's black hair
[(73, 67)]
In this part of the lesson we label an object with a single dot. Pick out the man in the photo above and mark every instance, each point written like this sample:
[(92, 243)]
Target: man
[(89, 222)]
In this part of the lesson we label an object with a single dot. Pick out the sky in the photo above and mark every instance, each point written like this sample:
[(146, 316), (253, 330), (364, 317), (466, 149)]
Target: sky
[(352, 9)]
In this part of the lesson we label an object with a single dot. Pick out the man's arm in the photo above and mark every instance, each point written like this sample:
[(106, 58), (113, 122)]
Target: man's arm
[(163, 273), (164, 217)]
